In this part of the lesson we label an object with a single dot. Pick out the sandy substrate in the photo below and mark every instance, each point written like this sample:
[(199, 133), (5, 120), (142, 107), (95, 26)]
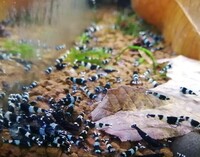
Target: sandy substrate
[(56, 86)]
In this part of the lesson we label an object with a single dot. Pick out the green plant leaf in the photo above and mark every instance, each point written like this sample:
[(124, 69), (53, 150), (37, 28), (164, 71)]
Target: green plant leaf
[(146, 51)]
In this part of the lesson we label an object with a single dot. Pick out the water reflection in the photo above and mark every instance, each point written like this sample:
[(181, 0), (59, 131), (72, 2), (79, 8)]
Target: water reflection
[(49, 22), (52, 21)]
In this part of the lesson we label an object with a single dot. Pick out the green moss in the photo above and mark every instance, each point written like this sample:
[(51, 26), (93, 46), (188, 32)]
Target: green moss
[(25, 50), (130, 24), (83, 39), (93, 56)]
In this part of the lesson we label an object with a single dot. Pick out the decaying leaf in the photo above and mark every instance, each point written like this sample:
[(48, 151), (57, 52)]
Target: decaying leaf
[(177, 19), (125, 98), (126, 105)]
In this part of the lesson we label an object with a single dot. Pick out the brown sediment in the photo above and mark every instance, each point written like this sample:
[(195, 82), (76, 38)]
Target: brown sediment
[(55, 85)]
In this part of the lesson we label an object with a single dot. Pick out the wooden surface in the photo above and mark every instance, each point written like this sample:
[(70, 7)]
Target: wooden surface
[(177, 19), (8, 5)]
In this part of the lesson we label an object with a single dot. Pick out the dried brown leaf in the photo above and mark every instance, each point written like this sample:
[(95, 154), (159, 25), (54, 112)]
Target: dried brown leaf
[(134, 105), (125, 98)]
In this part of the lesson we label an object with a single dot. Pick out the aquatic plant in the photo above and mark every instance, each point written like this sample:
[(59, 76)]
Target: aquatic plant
[(84, 39), (26, 51), (130, 24), (94, 56), (146, 51)]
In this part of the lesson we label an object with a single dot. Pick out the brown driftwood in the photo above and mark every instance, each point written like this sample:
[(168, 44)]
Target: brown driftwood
[(177, 19)]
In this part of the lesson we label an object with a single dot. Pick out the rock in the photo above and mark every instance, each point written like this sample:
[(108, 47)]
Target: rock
[(73, 155), (125, 145), (38, 91), (52, 152), (167, 152), (9, 150), (115, 145), (188, 145), (42, 151)]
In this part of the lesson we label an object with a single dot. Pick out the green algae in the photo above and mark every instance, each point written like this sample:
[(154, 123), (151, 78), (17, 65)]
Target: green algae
[(25, 51), (93, 56)]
